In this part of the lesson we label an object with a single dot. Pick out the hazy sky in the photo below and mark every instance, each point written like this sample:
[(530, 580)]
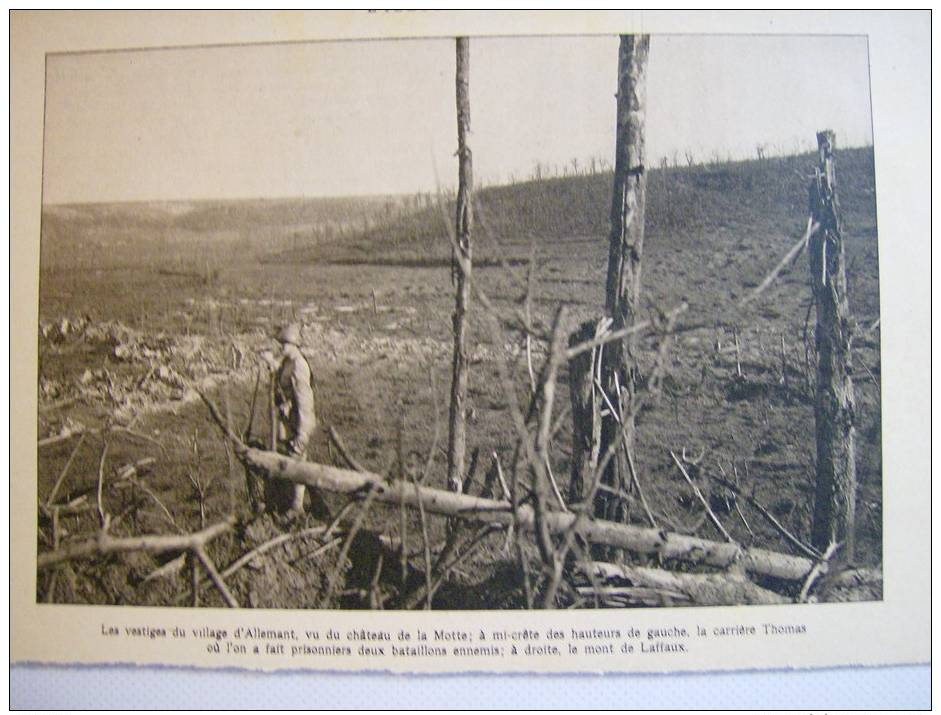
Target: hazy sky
[(378, 117)]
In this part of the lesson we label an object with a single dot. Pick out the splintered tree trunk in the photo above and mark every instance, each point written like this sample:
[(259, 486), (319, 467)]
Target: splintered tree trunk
[(586, 415), (835, 501), (626, 242), (457, 436)]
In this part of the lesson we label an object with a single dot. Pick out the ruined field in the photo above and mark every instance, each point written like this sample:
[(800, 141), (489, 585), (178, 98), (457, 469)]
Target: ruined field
[(142, 303)]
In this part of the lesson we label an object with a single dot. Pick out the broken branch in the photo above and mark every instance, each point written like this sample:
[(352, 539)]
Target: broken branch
[(105, 544), (608, 337), (343, 451)]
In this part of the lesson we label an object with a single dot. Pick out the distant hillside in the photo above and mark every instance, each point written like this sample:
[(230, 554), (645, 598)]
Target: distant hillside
[(152, 232), (219, 214), (768, 193), (768, 196)]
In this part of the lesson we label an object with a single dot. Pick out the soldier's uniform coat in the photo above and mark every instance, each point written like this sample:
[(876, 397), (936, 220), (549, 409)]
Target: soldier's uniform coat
[(295, 399)]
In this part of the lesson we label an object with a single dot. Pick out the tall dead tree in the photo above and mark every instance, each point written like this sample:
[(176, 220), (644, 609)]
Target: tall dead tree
[(626, 242), (834, 408), (461, 273)]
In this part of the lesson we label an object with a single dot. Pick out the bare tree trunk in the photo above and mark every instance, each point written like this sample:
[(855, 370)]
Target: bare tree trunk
[(835, 501), (457, 428), (626, 242)]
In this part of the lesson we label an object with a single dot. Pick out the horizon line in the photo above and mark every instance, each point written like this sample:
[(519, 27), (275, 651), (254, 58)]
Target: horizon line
[(483, 185)]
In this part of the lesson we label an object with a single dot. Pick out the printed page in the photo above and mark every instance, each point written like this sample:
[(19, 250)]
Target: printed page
[(470, 341)]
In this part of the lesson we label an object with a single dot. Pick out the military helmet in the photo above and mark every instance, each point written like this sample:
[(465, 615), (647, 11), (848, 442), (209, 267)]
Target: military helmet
[(290, 333)]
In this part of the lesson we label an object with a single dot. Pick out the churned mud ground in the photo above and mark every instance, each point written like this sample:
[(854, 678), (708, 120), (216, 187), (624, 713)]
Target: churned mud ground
[(126, 333)]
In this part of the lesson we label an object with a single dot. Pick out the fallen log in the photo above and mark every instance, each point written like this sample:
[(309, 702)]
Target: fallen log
[(636, 539), (632, 596), (862, 584), (632, 538), (717, 589)]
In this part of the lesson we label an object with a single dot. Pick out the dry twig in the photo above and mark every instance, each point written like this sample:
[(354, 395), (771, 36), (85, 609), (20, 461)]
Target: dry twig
[(65, 470), (343, 451), (808, 551), (103, 518), (613, 335), (217, 580), (636, 482), (354, 530), (425, 544), (819, 569), (702, 499)]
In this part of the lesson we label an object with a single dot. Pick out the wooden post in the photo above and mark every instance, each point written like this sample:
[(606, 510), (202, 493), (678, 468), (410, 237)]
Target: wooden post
[(457, 428), (835, 500), (626, 241)]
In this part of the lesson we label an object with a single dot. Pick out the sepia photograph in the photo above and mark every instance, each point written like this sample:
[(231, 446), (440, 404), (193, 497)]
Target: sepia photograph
[(461, 324)]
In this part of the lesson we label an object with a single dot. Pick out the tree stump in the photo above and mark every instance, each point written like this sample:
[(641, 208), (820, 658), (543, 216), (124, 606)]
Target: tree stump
[(586, 413)]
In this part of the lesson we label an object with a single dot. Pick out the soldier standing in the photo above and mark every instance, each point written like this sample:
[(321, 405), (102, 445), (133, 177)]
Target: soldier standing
[(294, 401)]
